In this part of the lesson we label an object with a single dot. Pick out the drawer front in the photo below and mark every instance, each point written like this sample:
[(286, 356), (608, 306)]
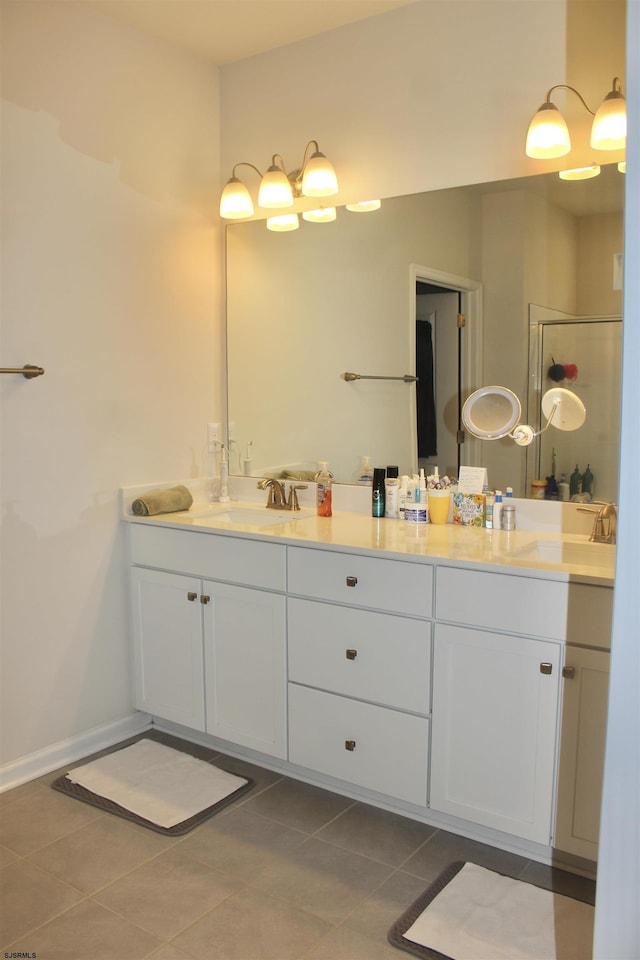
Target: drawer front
[(358, 653), (389, 750), (394, 585), (502, 602), (252, 563)]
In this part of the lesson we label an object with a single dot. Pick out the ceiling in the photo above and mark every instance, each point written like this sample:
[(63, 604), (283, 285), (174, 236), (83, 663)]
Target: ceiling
[(223, 31)]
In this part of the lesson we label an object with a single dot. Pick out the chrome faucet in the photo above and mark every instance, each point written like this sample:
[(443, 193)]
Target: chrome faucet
[(605, 523), (277, 498)]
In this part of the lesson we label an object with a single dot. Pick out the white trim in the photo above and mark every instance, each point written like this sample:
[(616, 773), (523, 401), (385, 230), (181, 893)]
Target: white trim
[(59, 754)]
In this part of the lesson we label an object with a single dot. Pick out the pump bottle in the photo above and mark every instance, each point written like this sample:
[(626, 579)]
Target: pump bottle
[(323, 490)]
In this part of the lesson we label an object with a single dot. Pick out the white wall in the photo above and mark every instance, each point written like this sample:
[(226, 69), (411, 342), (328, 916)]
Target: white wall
[(110, 282)]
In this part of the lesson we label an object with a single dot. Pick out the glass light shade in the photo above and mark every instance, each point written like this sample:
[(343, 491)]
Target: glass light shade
[(319, 178), (622, 166), (580, 173), (283, 223), (548, 134), (321, 215), (275, 190), (235, 201), (609, 130), (364, 206)]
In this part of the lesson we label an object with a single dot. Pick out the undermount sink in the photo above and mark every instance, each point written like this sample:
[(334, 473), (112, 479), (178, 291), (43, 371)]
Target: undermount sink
[(247, 516), (583, 552)]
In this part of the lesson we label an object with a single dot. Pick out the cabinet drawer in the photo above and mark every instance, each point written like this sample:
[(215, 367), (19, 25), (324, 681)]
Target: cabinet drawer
[(390, 749), (249, 562), (502, 602), (394, 585), (358, 653)]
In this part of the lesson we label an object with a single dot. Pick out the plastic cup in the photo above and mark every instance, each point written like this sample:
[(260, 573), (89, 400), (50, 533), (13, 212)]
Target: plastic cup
[(439, 503)]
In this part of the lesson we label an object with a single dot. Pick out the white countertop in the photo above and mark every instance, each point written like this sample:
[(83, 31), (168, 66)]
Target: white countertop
[(549, 553)]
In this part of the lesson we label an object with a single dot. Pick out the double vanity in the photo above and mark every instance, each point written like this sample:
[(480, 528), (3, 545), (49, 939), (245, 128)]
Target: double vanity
[(454, 675)]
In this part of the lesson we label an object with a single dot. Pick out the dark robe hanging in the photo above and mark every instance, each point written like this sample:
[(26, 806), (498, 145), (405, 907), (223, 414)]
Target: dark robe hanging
[(425, 392)]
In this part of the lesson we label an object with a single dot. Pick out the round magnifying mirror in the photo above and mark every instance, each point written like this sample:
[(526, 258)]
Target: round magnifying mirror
[(491, 412), (563, 409)]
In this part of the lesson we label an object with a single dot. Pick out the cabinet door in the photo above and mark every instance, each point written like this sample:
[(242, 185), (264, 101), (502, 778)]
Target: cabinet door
[(245, 667), (168, 649), (494, 721), (584, 722)]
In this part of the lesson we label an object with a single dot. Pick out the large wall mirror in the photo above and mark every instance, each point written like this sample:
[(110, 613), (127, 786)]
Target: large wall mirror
[(306, 307)]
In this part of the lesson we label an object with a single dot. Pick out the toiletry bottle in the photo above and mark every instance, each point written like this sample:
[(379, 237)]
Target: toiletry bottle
[(563, 487), (402, 498), (392, 494), (575, 482), (224, 476), (497, 511), (509, 492), (378, 492), (323, 490), (587, 481), (366, 471), (488, 510), (508, 519), (423, 487)]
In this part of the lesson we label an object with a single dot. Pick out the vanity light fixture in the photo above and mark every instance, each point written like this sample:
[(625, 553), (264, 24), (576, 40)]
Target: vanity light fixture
[(364, 206), (283, 222), (580, 173), (548, 134), (314, 178), (321, 215)]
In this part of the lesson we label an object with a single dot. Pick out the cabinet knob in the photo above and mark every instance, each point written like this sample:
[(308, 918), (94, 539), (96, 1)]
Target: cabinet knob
[(351, 654), (192, 596), (546, 667), (204, 598), (352, 581), (350, 745), (569, 673)]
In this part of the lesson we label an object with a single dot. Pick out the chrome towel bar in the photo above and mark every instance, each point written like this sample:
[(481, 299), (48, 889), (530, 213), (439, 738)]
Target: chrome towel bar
[(28, 371), (358, 376)]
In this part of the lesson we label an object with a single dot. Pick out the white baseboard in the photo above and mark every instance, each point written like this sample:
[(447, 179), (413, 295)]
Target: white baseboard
[(59, 754)]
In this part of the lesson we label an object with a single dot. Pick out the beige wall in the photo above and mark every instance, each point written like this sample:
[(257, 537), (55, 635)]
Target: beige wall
[(109, 160)]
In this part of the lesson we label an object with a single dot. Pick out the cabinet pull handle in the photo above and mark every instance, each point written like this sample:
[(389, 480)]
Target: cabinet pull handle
[(569, 673), (192, 596), (204, 598), (350, 745), (351, 654), (546, 667), (351, 581)]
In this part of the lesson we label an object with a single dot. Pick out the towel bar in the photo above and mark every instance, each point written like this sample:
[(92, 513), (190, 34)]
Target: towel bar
[(28, 371), (358, 376)]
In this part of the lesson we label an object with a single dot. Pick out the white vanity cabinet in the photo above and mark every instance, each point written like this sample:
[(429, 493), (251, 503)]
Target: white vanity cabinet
[(210, 653), (359, 672), (496, 700), (584, 720)]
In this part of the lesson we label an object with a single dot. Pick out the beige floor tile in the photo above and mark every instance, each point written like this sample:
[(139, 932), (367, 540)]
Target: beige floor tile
[(88, 932), (252, 926), (322, 879), (7, 856), (567, 884), (170, 952), (43, 817), (444, 848), (168, 893), (29, 897), (298, 805), (345, 944), (376, 833), (374, 916), (100, 852), (241, 843)]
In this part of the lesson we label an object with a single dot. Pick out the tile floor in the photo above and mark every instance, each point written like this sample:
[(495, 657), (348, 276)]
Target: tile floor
[(288, 872)]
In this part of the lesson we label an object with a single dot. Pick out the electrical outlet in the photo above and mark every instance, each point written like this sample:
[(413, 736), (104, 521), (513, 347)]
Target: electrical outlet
[(213, 436)]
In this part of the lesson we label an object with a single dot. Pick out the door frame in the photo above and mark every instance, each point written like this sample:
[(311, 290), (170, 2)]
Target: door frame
[(472, 356)]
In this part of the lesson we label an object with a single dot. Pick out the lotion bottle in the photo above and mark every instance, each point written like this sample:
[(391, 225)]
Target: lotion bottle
[(497, 511), (323, 490), (392, 494)]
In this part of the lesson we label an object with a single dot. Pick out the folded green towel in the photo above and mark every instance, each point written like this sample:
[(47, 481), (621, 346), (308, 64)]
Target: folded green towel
[(162, 501)]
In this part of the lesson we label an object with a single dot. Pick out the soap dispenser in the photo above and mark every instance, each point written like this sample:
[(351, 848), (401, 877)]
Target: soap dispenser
[(323, 490)]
